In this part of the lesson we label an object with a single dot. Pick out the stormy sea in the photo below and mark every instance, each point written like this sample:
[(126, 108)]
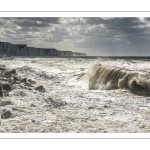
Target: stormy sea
[(75, 95)]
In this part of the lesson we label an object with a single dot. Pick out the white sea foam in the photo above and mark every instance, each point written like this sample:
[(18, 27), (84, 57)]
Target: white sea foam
[(68, 105)]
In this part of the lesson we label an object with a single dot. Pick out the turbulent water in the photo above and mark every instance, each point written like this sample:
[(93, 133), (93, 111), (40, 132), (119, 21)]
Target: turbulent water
[(82, 95)]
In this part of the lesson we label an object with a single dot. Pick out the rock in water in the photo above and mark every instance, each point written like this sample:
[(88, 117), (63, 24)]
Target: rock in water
[(1, 91), (10, 73), (13, 71), (6, 115), (6, 87), (40, 89), (15, 79)]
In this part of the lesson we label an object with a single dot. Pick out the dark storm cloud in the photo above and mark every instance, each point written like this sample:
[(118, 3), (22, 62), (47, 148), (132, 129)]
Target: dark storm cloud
[(30, 24), (118, 22), (30, 21), (125, 25), (22, 31), (7, 32), (28, 29), (147, 18), (34, 22), (2, 23), (50, 20)]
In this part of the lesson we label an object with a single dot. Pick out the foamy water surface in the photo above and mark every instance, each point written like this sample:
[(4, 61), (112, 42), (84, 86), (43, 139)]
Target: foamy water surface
[(68, 105)]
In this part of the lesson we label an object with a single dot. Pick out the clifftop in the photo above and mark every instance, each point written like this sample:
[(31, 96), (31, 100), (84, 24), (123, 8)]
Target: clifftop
[(23, 50)]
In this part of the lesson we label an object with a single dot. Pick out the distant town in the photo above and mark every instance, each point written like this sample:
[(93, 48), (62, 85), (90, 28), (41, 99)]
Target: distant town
[(23, 50)]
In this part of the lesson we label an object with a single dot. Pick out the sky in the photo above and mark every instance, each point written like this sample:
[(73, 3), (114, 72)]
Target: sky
[(103, 36)]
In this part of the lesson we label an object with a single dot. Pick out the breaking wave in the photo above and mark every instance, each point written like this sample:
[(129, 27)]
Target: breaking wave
[(109, 77)]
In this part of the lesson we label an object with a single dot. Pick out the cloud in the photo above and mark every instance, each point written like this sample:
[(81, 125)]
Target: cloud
[(94, 35), (49, 20), (30, 24), (2, 23), (116, 22), (111, 33), (119, 25)]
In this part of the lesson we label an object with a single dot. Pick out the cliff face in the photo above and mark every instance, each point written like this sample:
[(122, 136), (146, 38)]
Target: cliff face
[(12, 49), (23, 50), (79, 54)]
